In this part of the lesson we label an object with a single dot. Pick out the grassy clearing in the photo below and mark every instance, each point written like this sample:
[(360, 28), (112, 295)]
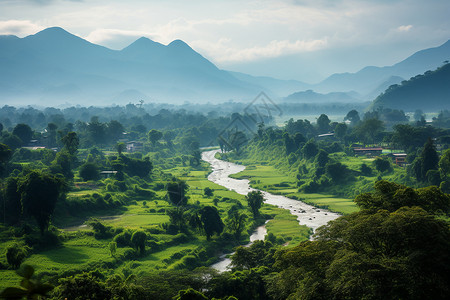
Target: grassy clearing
[(165, 259), (263, 177), (277, 176), (81, 251), (341, 205), (285, 226), (270, 179)]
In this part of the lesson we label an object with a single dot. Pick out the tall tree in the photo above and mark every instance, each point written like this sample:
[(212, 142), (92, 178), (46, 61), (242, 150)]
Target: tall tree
[(138, 239), (310, 149), (176, 192), (71, 142), (24, 132), (426, 161), (5, 156), (39, 194), (89, 171), (51, 134), (323, 123), (237, 139), (177, 217), (154, 136), (368, 130), (255, 200), (340, 130), (212, 223), (236, 221), (114, 130), (12, 207), (62, 164), (429, 156), (120, 148), (96, 131), (353, 117)]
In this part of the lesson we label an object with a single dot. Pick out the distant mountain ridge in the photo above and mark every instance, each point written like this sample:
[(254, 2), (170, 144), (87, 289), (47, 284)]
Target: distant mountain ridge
[(56, 66), (429, 92), (371, 78), (310, 96)]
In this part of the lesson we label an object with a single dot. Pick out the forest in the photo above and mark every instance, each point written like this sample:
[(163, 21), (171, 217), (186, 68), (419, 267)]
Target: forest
[(115, 203)]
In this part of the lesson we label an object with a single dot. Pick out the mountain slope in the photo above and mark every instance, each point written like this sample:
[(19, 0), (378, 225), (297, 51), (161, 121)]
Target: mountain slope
[(310, 96), (429, 92), (367, 80), (55, 66), (272, 86)]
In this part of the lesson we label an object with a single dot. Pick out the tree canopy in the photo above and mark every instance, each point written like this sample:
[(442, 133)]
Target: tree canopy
[(255, 200), (39, 193)]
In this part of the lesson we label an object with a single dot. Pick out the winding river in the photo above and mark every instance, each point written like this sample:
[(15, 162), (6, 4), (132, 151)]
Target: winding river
[(306, 214)]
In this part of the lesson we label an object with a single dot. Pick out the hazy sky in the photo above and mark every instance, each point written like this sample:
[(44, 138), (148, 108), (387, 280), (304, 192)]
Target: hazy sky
[(291, 39)]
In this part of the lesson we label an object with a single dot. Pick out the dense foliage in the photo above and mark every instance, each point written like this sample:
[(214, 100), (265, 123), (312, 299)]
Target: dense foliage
[(114, 203)]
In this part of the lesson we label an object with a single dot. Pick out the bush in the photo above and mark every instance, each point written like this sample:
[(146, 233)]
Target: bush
[(310, 187), (337, 172), (208, 192), (15, 254), (89, 171), (123, 239), (382, 165), (143, 192), (181, 238), (100, 230), (365, 170)]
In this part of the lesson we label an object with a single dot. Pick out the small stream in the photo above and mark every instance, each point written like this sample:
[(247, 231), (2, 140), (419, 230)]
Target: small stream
[(308, 215), (222, 265)]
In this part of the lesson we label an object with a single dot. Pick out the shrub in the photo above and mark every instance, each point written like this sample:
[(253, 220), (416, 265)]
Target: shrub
[(100, 230), (123, 239), (310, 187), (15, 254), (89, 171), (365, 170), (382, 165), (138, 239), (208, 192)]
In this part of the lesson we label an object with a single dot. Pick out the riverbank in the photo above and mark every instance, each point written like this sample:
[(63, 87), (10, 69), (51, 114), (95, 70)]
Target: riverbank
[(306, 214)]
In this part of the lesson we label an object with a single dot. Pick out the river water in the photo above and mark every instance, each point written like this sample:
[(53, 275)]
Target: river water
[(306, 214)]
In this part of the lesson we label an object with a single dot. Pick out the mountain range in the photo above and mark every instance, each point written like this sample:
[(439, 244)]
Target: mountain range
[(371, 80), (429, 92), (54, 67)]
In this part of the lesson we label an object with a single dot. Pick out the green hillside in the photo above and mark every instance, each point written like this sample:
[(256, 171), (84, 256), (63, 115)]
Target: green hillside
[(429, 92)]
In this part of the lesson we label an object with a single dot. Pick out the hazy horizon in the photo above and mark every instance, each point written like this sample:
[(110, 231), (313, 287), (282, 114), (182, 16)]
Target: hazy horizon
[(301, 40)]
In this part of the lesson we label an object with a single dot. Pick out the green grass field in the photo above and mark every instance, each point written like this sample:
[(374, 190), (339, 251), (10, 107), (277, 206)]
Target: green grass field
[(285, 226), (270, 179), (81, 251)]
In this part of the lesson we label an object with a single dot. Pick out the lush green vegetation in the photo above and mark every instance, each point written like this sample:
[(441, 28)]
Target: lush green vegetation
[(141, 221), (432, 85)]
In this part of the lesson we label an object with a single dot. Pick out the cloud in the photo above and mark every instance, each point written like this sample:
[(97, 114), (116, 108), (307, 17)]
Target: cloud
[(105, 36), (47, 2), (404, 28), (225, 54), (20, 28)]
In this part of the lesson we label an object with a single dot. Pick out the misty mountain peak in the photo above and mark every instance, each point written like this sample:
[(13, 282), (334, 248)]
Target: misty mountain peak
[(53, 32), (179, 44), (143, 45), (144, 42), (9, 37), (52, 36)]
